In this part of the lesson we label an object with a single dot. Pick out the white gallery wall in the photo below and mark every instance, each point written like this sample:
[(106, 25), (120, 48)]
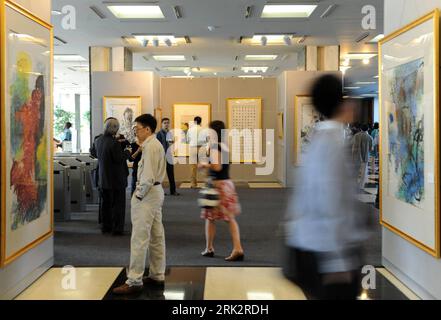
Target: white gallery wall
[(18, 275), (417, 269)]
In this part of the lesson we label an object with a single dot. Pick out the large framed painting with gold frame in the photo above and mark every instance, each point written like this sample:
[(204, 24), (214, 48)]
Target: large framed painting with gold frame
[(183, 117), (409, 133), (305, 119), (245, 116), (26, 131), (126, 110)]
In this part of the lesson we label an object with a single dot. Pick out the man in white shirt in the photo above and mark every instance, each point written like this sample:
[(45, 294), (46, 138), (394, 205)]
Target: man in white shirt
[(197, 138), (147, 201)]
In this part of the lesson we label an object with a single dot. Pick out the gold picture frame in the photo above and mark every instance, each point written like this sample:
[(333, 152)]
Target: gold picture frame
[(280, 125), (391, 206), (259, 106), (32, 237), (187, 112)]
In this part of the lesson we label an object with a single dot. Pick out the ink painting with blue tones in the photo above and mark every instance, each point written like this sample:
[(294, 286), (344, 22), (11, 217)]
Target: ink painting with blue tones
[(406, 132)]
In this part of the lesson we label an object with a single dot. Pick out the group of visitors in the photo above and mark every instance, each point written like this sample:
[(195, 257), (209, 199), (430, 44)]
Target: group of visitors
[(152, 158)]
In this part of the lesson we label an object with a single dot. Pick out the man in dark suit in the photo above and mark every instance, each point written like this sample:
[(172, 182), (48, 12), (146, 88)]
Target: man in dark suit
[(165, 138), (113, 173)]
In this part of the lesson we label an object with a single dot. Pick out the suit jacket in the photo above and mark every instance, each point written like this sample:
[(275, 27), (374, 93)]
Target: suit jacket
[(112, 163)]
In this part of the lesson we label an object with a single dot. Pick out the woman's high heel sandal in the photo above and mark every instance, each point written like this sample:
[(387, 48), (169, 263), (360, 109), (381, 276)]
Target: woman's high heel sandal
[(208, 253), (236, 257)]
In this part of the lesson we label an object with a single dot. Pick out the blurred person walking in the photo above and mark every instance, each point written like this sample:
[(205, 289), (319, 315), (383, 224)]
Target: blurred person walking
[(165, 137), (324, 233)]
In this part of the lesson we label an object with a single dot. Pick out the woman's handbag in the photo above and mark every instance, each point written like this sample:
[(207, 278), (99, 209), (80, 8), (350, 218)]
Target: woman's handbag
[(209, 197)]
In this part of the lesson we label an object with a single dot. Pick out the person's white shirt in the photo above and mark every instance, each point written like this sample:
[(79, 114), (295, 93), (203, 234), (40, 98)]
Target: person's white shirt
[(197, 137)]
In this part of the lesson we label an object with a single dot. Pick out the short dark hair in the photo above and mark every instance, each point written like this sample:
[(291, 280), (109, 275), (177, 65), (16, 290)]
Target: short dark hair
[(376, 125), (364, 127), (147, 120), (217, 126), (327, 95), (165, 119), (198, 120), (68, 125)]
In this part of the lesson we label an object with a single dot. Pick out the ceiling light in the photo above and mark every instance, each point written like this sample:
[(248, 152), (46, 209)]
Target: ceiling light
[(287, 40), (360, 56), (376, 77), (56, 12), (250, 77), (328, 11), (177, 11), (260, 57), (187, 39), (60, 40), (377, 38), (301, 40), (169, 58), (68, 57), (176, 69), (352, 88), (254, 69), (167, 42), (263, 40), (346, 62), (365, 82), (162, 39), (136, 11), (287, 11), (271, 39), (155, 42), (182, 77), (366, 61)]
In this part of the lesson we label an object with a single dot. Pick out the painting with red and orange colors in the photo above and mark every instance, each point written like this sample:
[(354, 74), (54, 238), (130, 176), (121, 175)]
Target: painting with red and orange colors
[(26, 128)]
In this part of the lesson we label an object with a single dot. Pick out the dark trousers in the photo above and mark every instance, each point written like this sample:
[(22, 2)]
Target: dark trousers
[(113, 210), (301, 267), (171, 178)]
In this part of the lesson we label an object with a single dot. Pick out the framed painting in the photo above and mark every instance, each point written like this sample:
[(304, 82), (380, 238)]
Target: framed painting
[(183, 117), (280, 126), (409, 133), (305, 119), (245, 115), (126, 110), (26, 131)]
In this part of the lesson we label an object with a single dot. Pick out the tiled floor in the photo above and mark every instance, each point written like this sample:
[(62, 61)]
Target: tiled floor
[(194, 283)]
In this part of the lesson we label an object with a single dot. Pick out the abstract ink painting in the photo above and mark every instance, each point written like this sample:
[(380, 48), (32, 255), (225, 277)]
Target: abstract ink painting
[(26, 130), (406, 132)]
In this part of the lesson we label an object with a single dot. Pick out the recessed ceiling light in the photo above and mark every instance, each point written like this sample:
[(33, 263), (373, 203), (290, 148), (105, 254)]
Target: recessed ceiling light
[(352, 88), (250, 77), (136, 11), (287, 11), (254, 69), (360, 56), (169, 58), (365, 82), (260, 57), (68, 57), (376, 77), (176, 68), (56, 12)]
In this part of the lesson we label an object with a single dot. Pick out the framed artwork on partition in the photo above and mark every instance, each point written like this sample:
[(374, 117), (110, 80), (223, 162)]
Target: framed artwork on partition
[(26, 131), (280, 126), (244, 121), (305, 119), (126, 110), (183, 119), (409, 133)]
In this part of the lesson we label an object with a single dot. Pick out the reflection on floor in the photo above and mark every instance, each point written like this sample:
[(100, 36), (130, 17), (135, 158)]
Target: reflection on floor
[(193, 283)]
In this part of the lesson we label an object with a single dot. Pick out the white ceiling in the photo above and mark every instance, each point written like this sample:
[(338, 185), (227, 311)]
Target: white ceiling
[(216, 51)]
